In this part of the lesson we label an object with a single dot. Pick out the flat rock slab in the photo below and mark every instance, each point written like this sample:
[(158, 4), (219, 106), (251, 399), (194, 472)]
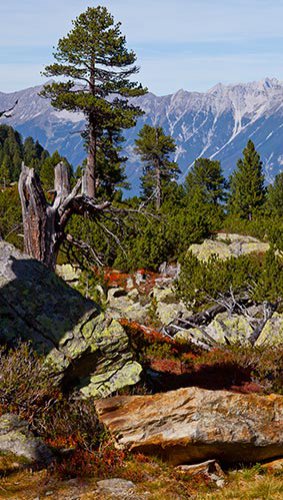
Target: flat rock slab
[(116, 488), (190, 425)]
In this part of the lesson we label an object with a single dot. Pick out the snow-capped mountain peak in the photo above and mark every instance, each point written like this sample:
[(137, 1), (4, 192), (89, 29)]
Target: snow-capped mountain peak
[(215, 124)]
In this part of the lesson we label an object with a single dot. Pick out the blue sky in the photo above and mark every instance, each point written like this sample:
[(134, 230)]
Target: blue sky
[(190, 44)]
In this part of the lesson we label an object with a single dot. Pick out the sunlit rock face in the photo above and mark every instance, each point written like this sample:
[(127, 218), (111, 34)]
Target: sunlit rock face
[(192, 424)]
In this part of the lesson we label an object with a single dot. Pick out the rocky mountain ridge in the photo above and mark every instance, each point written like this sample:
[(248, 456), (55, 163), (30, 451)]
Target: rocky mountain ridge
[(215, 124)]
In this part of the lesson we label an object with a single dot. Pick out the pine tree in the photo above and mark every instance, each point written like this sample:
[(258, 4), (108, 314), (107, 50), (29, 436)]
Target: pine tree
[(5, 172), (206, 181), (14, 152), (154, 149), (110, 165), (98, 66), (275, 196), (247, 184), (11, 148)]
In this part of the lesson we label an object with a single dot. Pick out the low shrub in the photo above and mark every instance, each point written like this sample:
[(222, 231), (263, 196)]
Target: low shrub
[(28, 389), (263, 366), (25, 387), (259, 277), (103, 462)]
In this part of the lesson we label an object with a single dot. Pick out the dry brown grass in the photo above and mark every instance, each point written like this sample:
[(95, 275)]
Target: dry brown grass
[(154, 481)]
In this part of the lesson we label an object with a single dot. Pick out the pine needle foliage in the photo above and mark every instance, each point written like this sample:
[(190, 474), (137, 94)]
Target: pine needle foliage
[(247, 184), (155, 149), (96, 68)]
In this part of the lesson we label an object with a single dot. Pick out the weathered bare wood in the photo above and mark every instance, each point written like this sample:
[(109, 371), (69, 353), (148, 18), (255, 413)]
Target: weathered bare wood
[(228, 303), (34, 213), (62, 180), (44, 223), (196, 320), (85, 248)]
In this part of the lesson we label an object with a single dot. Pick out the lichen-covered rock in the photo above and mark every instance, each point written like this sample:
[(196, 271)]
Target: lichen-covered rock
[(272, 333), (190, 425), (123, 304), (82, 347), (195, 336), (16, 439), (209, 248), (225, 328), (69, 273), (228, 245), (229, 329), (168, 307), (168, 312), (230, 238), (235, 328)]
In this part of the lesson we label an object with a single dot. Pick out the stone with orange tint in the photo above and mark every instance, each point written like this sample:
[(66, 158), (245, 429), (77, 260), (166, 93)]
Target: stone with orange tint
[(191, 424)]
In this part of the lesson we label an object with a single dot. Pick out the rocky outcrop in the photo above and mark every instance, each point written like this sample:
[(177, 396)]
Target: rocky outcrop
[(272, 333), (82, 347), (123, 304), (190, 425), (228, 329), (209, 469), (161, 302), (167, 304), (228, 245), (16, 439), (224, 329)]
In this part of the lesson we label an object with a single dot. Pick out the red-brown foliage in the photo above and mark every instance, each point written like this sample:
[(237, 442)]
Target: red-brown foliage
[(101, 463)]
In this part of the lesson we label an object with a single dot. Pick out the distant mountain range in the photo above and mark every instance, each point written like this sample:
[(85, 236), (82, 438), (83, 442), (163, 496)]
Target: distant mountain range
[(215, 124)]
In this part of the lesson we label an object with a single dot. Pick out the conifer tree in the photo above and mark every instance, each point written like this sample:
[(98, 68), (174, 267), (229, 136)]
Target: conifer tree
[(11, 149), (96, 66), (206, 181), (155, 149), (247, 184), (275, 196), (34, 154), (5, 173)]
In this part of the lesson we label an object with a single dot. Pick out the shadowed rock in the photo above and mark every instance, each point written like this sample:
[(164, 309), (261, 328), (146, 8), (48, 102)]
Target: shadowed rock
[(82, 348)]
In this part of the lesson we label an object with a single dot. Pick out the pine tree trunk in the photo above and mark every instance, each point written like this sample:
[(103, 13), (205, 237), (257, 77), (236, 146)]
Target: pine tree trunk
[(158, 184), (89, 178), (89, 185)]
